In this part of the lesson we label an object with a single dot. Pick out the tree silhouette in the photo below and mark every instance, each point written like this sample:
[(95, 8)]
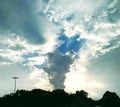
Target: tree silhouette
[(110, 99), (82, 94), (57, 98)]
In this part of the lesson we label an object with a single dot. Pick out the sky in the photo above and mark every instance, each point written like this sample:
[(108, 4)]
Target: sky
[(60, 44)]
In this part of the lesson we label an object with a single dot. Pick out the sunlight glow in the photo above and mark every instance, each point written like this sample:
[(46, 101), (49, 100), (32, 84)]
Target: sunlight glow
[(78, 79)]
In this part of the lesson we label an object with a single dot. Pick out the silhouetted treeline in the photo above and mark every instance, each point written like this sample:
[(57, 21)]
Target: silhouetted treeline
[(57, 98)]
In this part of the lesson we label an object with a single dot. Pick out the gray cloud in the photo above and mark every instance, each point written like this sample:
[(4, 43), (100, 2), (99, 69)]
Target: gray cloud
[(114, 11), (19, 16), (112, 42), (57, 68), (17, 47), (4, 61)]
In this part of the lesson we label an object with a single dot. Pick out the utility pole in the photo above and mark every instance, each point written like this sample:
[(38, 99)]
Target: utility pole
[(15, 78)]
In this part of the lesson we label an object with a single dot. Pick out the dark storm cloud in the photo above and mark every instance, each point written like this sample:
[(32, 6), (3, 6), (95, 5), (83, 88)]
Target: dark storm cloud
[(57, 68), (19, 16)]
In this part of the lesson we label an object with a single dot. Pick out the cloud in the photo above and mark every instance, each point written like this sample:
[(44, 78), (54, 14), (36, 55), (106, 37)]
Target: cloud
[(58, 10), (90, 25), (96, 29), (41, 79), (4, 61), (17, 50), (112, 4), (58, 65), (113, 11), (21, 18), (96, 23)]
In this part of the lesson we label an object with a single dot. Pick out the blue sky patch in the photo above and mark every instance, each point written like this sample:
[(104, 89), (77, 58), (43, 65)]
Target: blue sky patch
[(70, 43)]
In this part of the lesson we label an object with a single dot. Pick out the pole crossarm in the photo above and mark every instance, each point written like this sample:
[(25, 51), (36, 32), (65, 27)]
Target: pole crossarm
[(15, 77)]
